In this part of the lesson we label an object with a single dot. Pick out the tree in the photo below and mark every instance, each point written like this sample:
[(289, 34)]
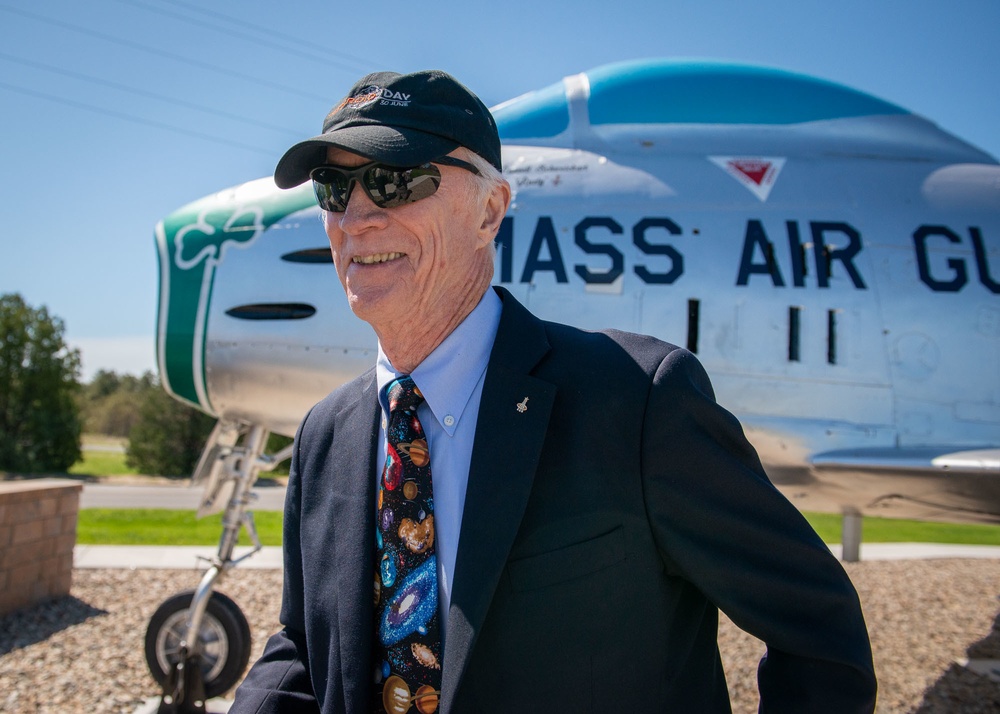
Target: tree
[(167, 437), (110, 403), (39, 414), (103, 384)]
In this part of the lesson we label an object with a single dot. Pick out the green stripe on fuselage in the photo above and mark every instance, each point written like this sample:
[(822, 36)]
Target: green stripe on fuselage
[(191, 243)]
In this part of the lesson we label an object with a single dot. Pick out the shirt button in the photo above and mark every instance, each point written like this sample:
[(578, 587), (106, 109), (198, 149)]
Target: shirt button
[(449, 420)]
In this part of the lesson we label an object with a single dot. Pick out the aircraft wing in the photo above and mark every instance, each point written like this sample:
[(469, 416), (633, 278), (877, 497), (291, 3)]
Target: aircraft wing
[(921, 458), (944, 482)]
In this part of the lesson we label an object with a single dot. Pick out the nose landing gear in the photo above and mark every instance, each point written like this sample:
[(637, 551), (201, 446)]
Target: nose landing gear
[(197, 643)]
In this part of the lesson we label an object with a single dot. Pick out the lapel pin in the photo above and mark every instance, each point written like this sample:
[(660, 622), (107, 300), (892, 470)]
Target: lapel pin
[(522, 407)]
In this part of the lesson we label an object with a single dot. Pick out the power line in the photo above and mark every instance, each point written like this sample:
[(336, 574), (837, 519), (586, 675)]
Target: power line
[(135, 119), (162, 53), (269, 35), (362, 63), (143, 93)]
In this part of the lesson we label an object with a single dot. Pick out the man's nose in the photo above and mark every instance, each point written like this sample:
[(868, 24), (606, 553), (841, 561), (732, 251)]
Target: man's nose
[(362, 213)]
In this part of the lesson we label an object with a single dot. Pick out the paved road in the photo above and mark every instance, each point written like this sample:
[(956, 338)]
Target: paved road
[(101, 495)]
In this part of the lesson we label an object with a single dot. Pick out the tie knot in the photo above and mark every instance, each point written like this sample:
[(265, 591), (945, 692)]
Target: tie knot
[(403, 394)]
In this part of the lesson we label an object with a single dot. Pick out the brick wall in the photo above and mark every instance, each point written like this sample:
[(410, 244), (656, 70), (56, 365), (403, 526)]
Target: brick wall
[(37, 535)]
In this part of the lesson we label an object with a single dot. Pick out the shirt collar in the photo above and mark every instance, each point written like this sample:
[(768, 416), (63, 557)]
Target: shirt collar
[(448, 376)]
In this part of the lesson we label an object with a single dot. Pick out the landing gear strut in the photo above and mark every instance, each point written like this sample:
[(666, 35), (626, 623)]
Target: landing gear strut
[(198, 641)]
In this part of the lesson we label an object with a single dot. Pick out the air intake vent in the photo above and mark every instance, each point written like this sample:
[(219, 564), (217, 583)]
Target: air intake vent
[(694, 312), (273, 311), (794, 334), (312, 255)]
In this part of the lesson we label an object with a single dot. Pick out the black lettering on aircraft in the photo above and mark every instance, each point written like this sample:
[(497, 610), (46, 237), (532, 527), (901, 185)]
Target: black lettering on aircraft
[(617, 259), (754, 239), (798, 252), (504, 243), (676, 259), (828, 254), (545, 238), (756, 243), (984, 270), (758, 255), (545, 234), (959, 275)]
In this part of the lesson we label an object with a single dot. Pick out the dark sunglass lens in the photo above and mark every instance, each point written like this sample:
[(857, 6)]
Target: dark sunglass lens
[(383, 185), (331, 187), (395, 187), (423, 181)]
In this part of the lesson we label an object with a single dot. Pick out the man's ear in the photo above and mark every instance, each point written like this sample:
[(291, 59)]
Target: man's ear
[(493, 212)]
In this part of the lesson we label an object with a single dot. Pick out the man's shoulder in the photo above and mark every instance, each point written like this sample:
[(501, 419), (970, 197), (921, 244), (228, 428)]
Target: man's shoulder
[(618, 366), (608, 344), (344, 397), (517, 321), (566, 346)]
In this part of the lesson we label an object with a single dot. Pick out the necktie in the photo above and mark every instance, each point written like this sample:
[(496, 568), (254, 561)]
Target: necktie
[(407, 635)]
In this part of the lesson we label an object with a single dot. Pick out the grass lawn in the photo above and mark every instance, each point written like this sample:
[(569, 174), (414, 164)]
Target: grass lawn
[(893, 530), (101, 463), (154, 526), (105, 456), (157, 526), (166, 527), (91, 441)]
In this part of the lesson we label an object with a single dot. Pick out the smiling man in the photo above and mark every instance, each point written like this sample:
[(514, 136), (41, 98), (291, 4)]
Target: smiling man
[(511, 515)]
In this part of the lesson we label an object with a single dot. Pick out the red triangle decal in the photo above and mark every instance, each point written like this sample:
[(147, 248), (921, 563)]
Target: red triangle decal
[(753, 170)]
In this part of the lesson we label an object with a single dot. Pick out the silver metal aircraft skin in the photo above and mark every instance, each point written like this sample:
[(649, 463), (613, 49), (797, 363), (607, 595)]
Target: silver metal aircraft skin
[(832, 259)]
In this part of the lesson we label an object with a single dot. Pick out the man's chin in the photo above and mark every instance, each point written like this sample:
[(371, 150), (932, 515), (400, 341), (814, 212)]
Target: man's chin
[(369, 305)]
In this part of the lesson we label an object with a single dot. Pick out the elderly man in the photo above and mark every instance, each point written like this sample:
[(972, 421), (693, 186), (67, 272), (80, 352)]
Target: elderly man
[(511, 515)]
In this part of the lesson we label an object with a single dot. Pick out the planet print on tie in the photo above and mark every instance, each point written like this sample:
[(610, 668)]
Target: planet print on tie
[(416, 451), (407, 635), (396, 697), (418, 537), (393, 469)]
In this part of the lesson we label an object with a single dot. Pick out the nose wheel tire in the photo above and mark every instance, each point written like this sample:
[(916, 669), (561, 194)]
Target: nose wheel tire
[(223, 641)]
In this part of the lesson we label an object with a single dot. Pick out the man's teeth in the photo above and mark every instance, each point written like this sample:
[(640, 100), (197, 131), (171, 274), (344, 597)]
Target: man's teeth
[(377, 258)]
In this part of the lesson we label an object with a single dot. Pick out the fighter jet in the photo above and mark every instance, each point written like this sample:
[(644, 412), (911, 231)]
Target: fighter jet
[(832, 259)]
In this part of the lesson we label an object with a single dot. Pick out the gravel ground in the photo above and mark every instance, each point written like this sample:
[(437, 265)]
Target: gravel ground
[(83, 653)]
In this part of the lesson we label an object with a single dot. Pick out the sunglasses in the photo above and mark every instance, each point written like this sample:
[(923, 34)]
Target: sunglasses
[(387, 186)]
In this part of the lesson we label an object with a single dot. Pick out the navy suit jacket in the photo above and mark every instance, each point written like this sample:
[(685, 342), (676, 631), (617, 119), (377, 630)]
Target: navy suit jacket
[(604, 527)]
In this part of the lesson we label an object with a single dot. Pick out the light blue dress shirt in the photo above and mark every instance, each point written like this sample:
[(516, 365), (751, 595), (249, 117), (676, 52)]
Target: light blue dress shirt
[(451, 380)]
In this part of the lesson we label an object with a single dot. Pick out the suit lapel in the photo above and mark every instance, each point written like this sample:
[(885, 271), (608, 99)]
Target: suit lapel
[(510, 432), (352, 461)]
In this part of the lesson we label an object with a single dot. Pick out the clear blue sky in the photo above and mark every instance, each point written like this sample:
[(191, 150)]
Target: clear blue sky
[(116, 112)]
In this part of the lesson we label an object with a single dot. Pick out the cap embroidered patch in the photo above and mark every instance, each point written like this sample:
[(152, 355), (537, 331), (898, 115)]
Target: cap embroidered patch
[(374, 94)]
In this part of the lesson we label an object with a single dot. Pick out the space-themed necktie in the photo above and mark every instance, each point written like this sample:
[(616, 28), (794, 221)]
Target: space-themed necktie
[(407, 634)]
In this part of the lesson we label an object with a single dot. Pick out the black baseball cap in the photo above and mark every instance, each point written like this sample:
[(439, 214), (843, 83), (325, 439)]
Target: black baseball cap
[(400, 120)]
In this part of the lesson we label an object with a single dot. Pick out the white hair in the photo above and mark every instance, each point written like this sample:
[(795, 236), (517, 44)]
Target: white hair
[(487, 179), (483, 184)]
